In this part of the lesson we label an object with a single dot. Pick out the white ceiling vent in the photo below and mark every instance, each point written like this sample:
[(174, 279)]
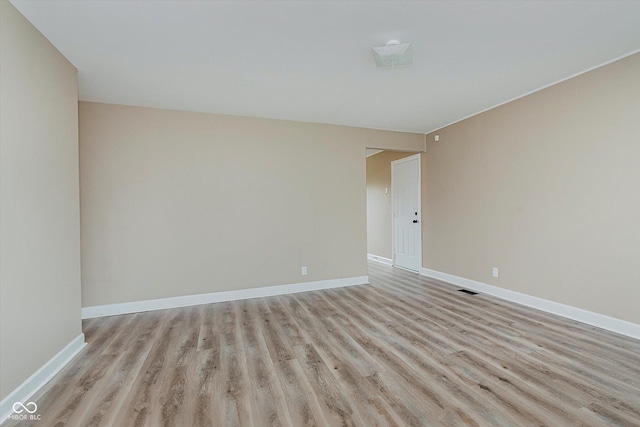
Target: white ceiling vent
[(393, 55)]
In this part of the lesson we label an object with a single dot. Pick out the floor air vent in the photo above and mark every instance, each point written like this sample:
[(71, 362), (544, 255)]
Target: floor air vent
[(468, 292)]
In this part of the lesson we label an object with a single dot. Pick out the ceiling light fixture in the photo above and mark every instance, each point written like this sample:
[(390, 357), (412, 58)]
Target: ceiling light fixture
[(393, 55)]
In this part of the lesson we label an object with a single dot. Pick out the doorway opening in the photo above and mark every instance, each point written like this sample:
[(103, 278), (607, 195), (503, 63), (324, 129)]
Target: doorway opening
[(393, 204)]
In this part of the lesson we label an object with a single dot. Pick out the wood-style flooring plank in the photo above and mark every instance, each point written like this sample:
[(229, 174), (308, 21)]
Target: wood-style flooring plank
[(403, 351)]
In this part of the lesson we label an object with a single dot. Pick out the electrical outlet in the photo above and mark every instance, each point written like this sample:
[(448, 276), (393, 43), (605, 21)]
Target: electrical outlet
[(304, 270), (495, 271)]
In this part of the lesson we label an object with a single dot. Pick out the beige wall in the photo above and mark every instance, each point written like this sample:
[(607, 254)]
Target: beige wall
[(39, 207), (379, 202), (547, 189), (177, 203), (396, 141)]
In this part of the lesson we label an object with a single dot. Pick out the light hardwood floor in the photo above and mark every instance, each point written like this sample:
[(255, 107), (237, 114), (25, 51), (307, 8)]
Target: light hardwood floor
[(404, 351)]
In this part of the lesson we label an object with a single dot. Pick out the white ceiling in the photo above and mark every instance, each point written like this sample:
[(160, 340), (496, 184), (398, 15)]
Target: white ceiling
[(311, 60)]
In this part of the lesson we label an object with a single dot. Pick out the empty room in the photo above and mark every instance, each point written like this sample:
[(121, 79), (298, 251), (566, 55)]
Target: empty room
[(319, 213)]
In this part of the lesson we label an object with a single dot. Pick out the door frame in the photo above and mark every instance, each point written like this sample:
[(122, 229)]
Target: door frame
[(393, 217)]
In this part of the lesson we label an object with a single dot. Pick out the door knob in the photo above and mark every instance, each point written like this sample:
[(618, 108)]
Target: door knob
[(415, 221)]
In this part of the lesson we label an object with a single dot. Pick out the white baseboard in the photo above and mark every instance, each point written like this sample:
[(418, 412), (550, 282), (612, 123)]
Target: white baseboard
[(189, 300), (380, 259), (589, 317), (40, 377)]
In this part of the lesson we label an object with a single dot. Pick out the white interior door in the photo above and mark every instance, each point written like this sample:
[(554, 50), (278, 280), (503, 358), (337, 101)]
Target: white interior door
[(405, 201)]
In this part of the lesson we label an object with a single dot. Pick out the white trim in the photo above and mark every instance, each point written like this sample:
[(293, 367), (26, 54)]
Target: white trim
[(393, 240), (589, 317), (619, 58), (40, 377), (380, 259), (374, 151), (240, 294)]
